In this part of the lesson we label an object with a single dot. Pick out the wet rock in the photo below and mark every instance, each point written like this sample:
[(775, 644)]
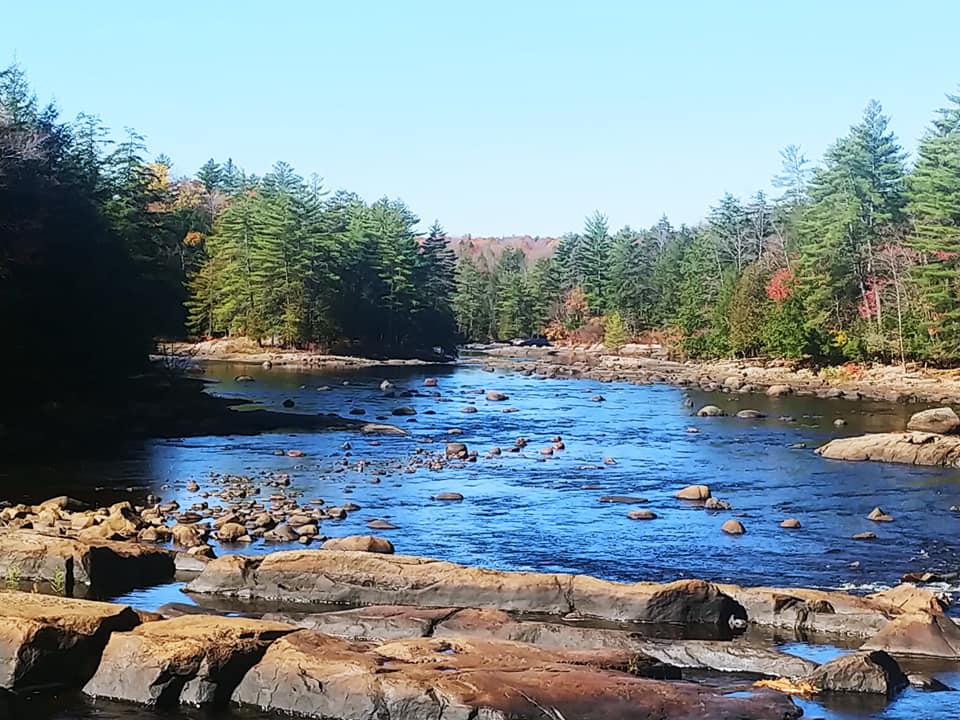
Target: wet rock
[(750, 415), (546, 450), (496, 396), (779, 390), (243, 379), (52, 640), (456, 450), (368, 579), (713, 503), (448, 496), (403, 410), (357, 411), (623, 499), (192, 486), (914, 448), (839, 422), (790, 524), (598, 398), (192, 659), (386, 386), (296, 453), (430, 382), (710, 411), (921, 634), (692, 430), (609, 461), (694, 492), (861, 672), (733, 527), (288, 403), (510, 409), (266, 365), (281, 533), (865, 536), (468, 409), (943, 421), (641, 515), (878, 515), (232, 532), (359, 543), (186, 536), (381, 525), (927, 682), (312, 674)]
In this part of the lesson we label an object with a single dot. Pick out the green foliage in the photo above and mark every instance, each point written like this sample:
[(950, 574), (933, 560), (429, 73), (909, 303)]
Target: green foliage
[(615, 334), (749, 309)]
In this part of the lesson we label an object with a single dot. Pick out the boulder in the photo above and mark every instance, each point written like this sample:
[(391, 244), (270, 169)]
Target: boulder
[(456, 450), (231, 532), (448, 497), (496, 396), (918, 634), (430, 382), (713, 503), (186, 536), (381, 525), (790, 524), (191, 659), (913, 448), (358, 578), (861, 672), (359, 543), (710, 411), (403, 410), (733, 527), (943, 421), (909, 598), (46, 639), (878, 515), (864, 536), (694, 492), (779, 390), (310, 674), (750, 415), (103, 565), (642, 515)]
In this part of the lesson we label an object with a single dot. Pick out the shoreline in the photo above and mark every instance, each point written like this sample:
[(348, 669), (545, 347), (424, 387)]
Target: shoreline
[(888, 383)]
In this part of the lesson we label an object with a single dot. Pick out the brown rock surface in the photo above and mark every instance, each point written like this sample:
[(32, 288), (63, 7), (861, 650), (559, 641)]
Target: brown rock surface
[(369, 579), (914, 448), (359, 543), (313, 675), (192, 659), (941, 420), (694, 492), (46, 639), (103, 564), (863, 672), (918, 634)]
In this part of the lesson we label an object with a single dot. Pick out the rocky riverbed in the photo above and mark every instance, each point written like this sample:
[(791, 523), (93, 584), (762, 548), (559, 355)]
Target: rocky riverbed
[(506, 471)]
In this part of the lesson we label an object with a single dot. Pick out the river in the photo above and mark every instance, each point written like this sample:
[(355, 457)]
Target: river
[(527, 511)]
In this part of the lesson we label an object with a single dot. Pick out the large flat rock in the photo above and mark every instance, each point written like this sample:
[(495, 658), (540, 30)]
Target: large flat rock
[(314, 675), (357, 578), (103, 564), (53, 640), (192, 659), (913, 448), (820, 611)]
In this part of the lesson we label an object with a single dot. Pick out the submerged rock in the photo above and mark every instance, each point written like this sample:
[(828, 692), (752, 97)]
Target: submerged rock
[(710, 411)]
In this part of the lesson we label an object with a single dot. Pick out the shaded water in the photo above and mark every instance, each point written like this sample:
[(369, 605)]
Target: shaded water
[(524, 511)]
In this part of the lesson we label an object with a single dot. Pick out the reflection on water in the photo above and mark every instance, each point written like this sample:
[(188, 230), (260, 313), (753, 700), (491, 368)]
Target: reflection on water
[(527, 511)]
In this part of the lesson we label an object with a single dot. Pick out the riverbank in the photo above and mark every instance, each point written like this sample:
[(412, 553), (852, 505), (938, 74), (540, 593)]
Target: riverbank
[(153, 405), (889, 383)]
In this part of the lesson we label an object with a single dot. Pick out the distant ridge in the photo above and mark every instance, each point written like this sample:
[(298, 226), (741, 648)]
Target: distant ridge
[(533, 247)]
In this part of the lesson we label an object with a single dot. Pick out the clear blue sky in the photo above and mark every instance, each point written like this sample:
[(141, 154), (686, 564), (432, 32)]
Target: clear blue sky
[(495, 117)]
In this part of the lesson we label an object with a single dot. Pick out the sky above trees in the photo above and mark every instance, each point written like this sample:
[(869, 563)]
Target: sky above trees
[(499, 117)]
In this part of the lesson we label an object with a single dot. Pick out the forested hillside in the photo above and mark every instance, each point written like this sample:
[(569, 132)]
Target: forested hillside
[(103, 250), (855, 258)]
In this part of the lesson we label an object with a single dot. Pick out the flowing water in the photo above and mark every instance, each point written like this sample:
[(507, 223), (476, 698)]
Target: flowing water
[(526, 511)]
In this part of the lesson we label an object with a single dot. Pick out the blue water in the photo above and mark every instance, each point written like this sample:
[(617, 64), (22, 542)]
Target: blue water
[(531, 512)]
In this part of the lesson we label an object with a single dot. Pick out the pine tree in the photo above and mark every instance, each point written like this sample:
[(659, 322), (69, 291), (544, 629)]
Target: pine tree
[(629, 284), (934, 203), (590, 259), (211, 175), (615, 334)]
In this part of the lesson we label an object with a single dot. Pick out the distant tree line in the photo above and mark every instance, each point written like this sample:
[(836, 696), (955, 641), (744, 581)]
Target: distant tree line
[(857, 258)]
